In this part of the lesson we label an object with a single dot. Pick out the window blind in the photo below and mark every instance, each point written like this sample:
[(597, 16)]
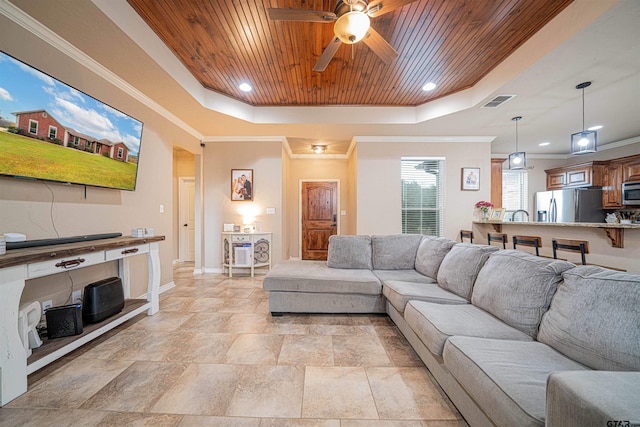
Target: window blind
[(422, 182), (515, 190)]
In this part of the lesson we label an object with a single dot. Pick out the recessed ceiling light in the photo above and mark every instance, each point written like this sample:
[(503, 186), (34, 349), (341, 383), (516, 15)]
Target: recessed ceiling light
[(544, 144), (429, 86), (245, 87), (598, 127)]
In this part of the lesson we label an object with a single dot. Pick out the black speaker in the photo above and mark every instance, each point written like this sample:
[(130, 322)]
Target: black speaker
[(64, 321), (102, 299)]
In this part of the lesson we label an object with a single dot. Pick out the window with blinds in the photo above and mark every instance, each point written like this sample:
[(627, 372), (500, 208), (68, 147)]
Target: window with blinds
[(423, 195), (515, 191)]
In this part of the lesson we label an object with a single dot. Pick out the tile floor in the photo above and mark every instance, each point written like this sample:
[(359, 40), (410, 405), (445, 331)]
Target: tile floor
[(213, 356)]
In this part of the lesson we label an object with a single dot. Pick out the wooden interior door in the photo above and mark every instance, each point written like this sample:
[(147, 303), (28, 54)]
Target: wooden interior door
[(319, 218)]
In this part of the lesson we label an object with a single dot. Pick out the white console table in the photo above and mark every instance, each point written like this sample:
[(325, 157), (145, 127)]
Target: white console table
[(19, 265), (258, 251)]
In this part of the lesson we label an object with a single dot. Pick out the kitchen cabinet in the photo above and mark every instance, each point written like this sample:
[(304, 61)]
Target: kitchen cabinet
[(581, 175), (631, 169), (612, 189)]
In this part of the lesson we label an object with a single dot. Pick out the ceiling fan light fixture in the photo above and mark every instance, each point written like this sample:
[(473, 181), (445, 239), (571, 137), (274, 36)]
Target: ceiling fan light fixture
[(351, 27)]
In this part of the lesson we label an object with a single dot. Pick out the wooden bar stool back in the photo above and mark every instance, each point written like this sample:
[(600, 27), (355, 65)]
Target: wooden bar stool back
[(579, 246), (497, 237), (466, 234), (533, 241)]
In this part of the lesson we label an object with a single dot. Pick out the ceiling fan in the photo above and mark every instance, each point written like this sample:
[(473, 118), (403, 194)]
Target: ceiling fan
[(351, 23)]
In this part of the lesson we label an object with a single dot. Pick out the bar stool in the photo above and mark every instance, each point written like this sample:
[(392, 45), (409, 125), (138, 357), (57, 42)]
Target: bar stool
[(579, 246), (468, 234), (533, 241), (497, 237)]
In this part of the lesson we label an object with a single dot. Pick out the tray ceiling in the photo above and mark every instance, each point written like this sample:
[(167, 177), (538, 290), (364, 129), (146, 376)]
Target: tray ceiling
[(452, 43)]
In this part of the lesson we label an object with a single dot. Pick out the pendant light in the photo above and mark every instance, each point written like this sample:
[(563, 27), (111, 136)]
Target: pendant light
[(517, 159), (586, 141)]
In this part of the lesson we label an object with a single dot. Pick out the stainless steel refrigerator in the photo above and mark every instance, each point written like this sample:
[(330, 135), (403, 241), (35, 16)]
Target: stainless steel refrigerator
[(570, 205)]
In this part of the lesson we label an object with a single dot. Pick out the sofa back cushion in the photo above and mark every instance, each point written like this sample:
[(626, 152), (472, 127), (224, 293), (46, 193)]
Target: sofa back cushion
[(395, 251), (517, 287), (594, 319), (431, 252), (347, 251), (460, 267)]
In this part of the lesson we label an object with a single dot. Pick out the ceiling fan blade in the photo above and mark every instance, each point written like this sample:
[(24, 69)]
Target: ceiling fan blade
[(380, 7), (379, 46), (301, 15), (327, 55)]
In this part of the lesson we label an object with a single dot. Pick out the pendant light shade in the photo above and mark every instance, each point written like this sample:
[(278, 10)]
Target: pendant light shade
[(517, 159), (585, 141)]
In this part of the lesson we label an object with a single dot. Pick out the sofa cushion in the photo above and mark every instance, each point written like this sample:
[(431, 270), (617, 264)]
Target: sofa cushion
[(506, 378), (431, 252), (435, 323), (460, 267), (348, 251), (316, 276), (593, 398), (400, 293), (594, 318), (517, 287), (402, 275), (395, 251)]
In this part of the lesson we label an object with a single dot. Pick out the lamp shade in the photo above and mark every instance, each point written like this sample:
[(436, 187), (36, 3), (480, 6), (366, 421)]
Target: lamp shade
[(517, 160), (351, 27), (584, 142)]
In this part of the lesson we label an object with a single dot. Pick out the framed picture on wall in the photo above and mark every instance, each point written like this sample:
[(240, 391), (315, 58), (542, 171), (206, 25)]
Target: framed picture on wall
[(242, 185), (471, 179)]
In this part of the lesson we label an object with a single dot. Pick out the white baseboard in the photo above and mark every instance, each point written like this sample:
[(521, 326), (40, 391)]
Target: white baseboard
[(212, 270), (197, 271), (163, 288)]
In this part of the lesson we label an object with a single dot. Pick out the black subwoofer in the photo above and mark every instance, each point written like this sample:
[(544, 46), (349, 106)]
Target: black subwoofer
[(102, 299), (64, 321)]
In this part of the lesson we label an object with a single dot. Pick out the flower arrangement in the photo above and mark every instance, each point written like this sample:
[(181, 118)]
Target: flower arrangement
[(484, 206)]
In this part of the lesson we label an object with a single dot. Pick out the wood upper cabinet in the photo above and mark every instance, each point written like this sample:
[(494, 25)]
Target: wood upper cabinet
[(612, 189), (582, 175), (631, 168)]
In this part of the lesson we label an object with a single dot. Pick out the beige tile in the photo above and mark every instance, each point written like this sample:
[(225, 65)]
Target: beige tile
[(34, 417), (263, 307), (286, 329), (400, 352), (209, 421), (201, 390), (440, 423), (380, 423), (247, 323), (298, 422), (316, 329), (162, 321), (175, 303), (309, 350), (136, 419), (239, 305), (255, 349), (407, 393), (268, 391), (208, 348), (207, 322), (359, 350), (237, 293), (137, 388), (72, 385), (337, 392)]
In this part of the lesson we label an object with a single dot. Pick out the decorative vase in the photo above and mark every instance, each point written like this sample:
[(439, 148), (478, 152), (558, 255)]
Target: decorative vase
[(485, 215)]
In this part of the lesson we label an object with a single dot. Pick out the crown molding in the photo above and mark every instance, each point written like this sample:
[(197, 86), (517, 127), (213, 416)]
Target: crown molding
[(33, 26), (427, 139)]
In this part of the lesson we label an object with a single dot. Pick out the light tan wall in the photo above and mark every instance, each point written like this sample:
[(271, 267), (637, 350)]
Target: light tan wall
[(183, 166), (287, 202), (265, 158), (378, 175), (315, 169), (32, 207), (350, 225)]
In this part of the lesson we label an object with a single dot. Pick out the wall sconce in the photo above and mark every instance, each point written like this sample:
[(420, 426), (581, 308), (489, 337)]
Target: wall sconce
[(517, 159)]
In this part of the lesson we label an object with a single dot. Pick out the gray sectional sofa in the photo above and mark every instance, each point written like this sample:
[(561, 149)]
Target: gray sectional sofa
[(512, 338)]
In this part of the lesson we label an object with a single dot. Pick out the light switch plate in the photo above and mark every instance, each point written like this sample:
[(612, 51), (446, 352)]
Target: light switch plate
[(271, 211)]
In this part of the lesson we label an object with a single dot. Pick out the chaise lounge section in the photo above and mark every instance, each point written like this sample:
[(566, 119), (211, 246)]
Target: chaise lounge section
[(512, 338)]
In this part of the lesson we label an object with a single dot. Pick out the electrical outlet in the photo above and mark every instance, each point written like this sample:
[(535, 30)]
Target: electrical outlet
[(46, 304), (76, 297)]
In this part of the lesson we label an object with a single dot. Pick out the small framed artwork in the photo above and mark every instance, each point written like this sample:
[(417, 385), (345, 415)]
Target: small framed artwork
[(242, 185), (471, 179), (496, 214)]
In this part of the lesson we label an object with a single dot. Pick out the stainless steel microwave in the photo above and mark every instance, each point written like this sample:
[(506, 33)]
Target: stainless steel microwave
[(631, 193)]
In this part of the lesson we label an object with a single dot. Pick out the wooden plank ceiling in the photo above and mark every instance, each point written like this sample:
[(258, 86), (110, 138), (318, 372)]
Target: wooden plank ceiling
[(453, 43)]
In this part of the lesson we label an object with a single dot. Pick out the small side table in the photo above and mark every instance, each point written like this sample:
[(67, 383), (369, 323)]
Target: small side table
[(245, 250)]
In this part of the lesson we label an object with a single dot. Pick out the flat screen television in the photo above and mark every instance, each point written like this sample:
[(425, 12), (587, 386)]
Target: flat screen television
[(54, 132)]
